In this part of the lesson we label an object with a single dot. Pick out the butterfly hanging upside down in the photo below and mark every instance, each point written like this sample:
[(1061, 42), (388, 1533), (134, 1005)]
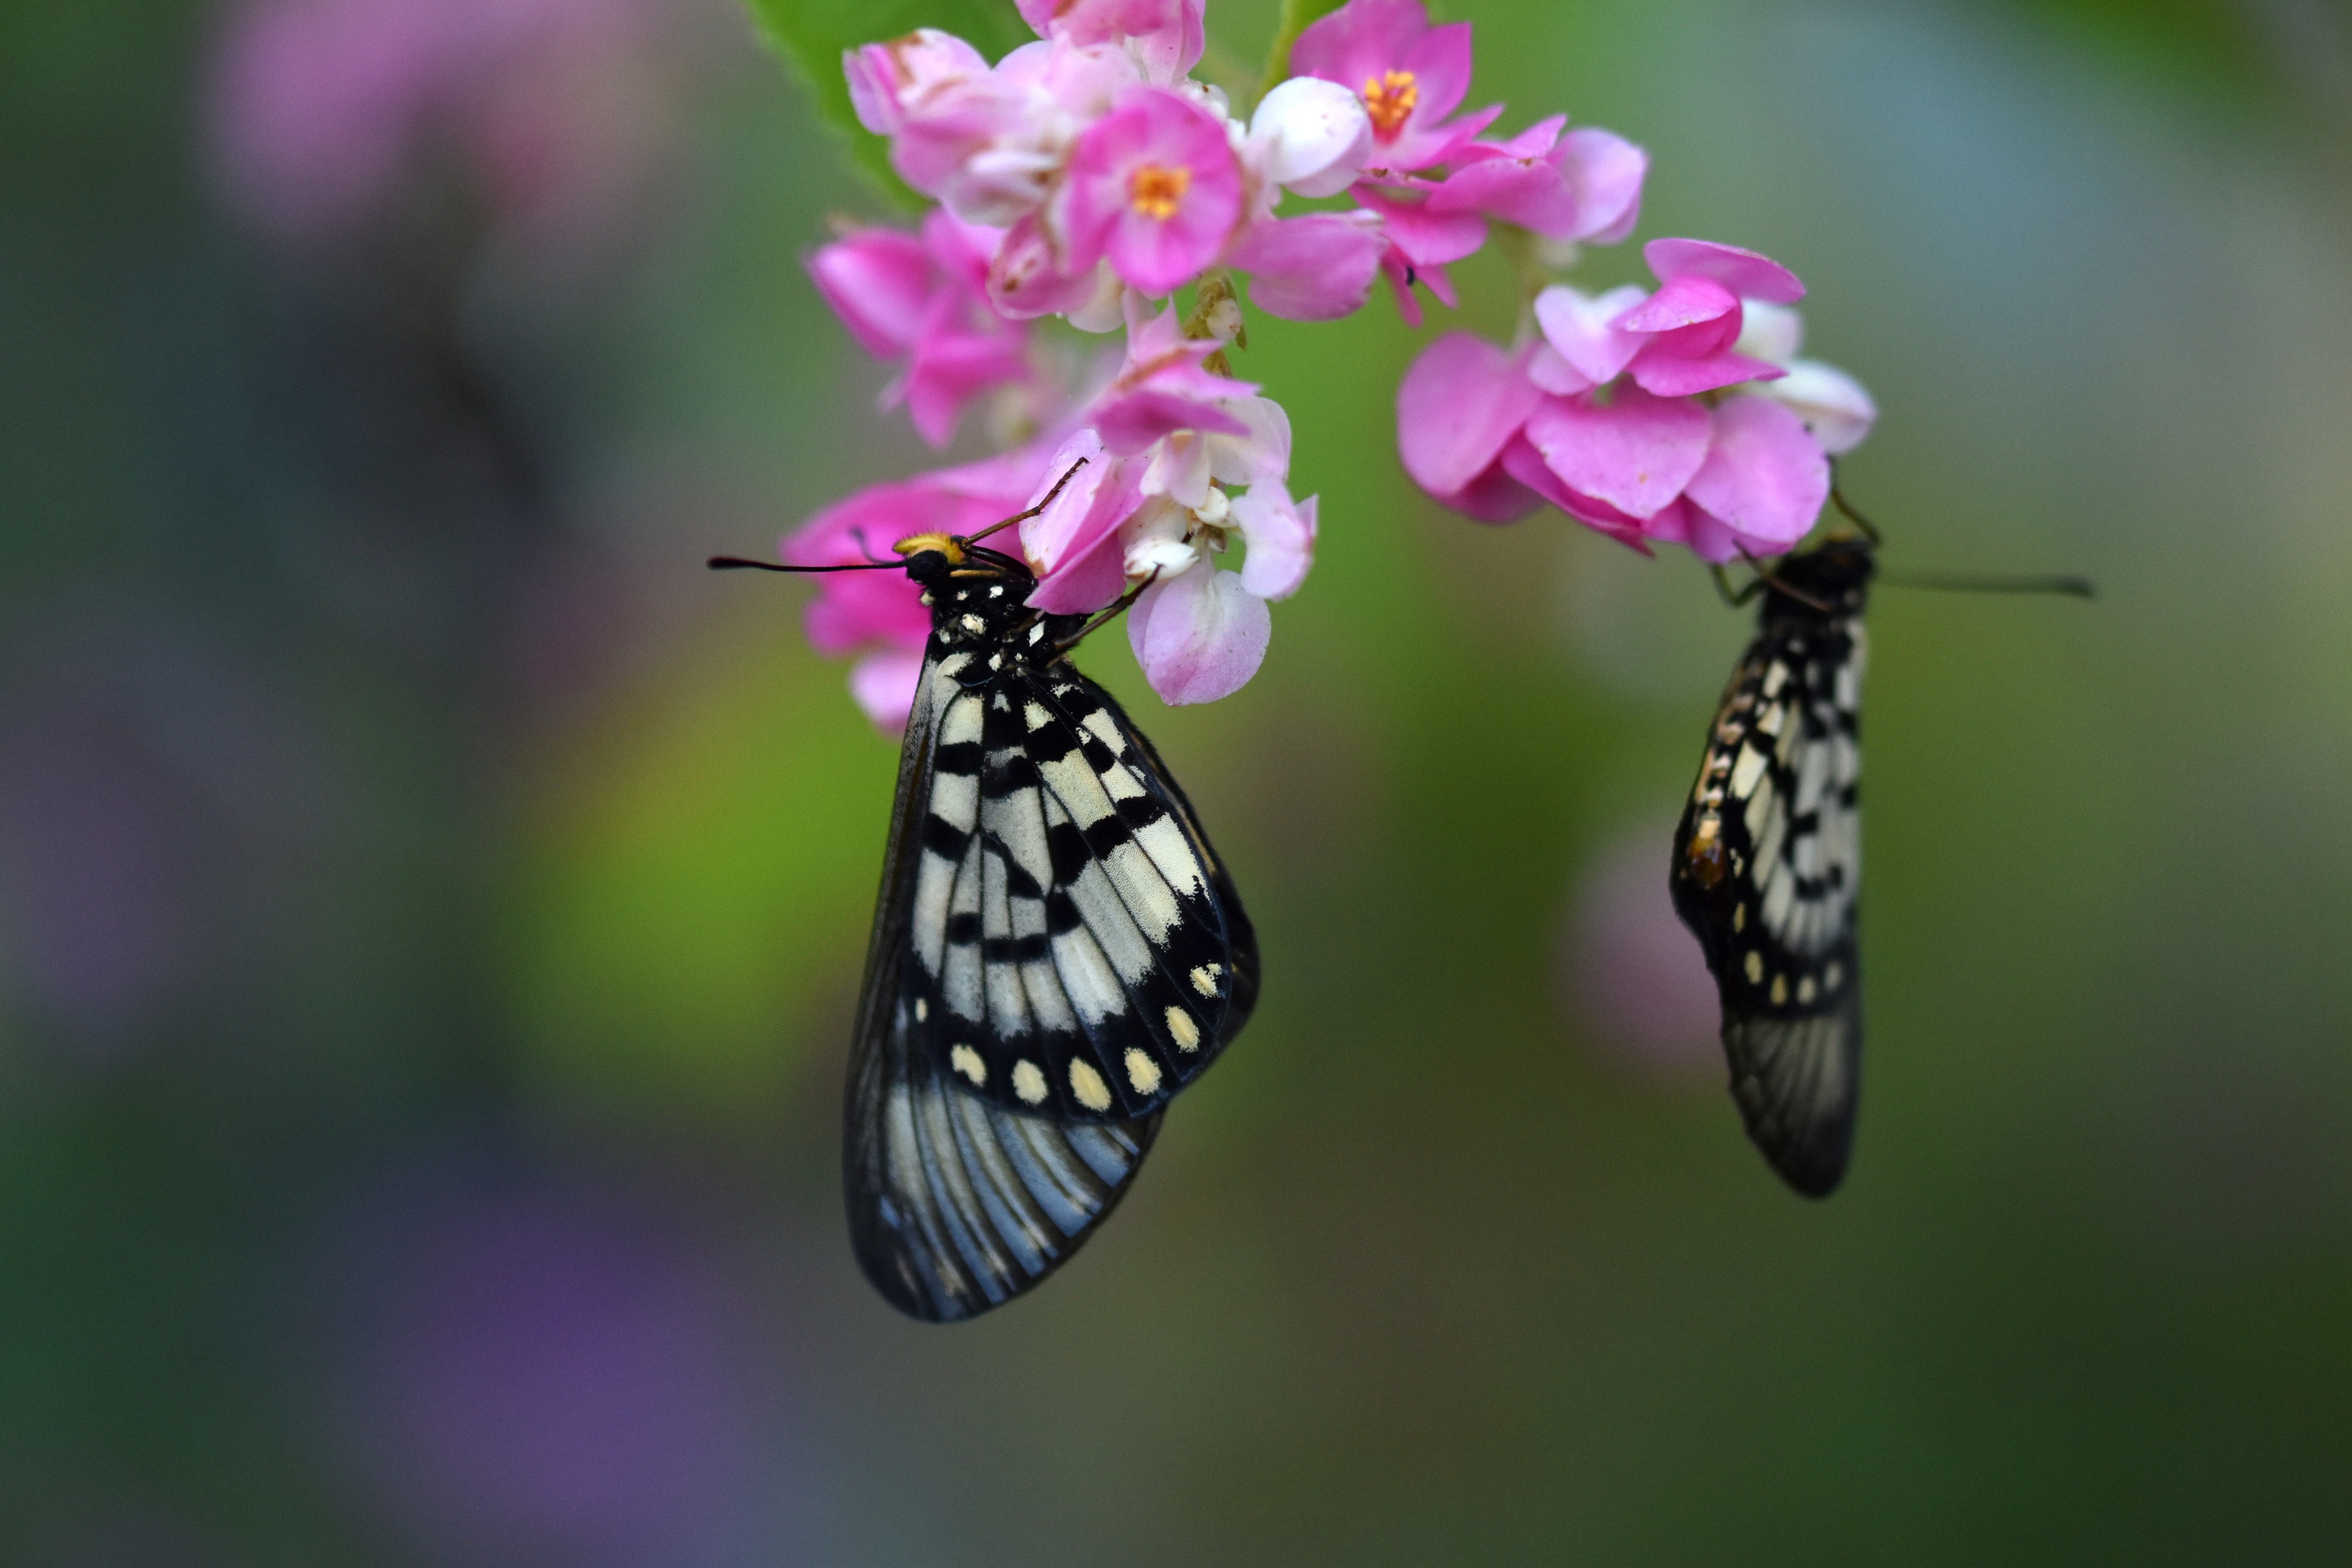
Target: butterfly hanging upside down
[(1767, 863), (1056, 951), (1768, 858)]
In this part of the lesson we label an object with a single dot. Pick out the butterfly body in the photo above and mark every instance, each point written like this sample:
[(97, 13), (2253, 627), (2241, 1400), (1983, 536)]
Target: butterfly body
[(1767, 863), (1056, 951)]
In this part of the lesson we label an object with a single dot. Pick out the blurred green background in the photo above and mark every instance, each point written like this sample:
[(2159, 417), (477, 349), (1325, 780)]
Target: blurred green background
[(431, 906)]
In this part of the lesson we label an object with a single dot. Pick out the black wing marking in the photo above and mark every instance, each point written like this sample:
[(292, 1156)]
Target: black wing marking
[(956, 1204), (1766, 870), (1078, 950)]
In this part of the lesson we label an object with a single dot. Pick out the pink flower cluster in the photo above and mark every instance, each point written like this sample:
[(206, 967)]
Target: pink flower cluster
[(1680, 415), (1086, 175)]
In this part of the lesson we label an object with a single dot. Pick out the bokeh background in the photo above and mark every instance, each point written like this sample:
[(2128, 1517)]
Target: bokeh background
[(431, 906)]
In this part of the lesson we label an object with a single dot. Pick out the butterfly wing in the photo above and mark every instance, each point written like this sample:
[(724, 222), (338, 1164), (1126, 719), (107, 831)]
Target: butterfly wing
[(957, 1203), (1078, 949), (1766, 870)]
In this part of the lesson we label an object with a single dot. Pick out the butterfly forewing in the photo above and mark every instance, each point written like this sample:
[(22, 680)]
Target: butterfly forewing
[(1056, 951), (1767, 866)]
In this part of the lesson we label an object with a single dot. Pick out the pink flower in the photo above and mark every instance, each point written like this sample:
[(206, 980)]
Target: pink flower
[(1155, 187), (924, 299), (1410, 75), (320, 109), (1651, 418), (1167, 36)]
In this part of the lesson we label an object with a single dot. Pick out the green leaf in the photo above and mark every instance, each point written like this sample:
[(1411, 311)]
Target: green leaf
[(1296, 16), (812, 35)]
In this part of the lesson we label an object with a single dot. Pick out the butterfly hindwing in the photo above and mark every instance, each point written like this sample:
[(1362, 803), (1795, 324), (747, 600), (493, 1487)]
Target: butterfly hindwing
[(1767, 866)]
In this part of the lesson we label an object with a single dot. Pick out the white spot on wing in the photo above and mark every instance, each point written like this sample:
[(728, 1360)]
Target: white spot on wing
[(1204, 978), (1037, 716), (1182, 1030), (967, 1062), (1029, 1083)]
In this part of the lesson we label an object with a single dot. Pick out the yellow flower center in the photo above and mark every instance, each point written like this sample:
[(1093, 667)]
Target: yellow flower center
[(1156, 191), (1389, 100)]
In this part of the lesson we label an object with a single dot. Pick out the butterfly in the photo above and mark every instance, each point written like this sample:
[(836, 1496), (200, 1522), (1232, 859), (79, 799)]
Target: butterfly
[(1056, 951), (1768, 864)]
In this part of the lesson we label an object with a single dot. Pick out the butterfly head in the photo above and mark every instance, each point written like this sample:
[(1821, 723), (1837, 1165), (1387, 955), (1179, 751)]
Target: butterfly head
[(973, 591), (1831, 579)]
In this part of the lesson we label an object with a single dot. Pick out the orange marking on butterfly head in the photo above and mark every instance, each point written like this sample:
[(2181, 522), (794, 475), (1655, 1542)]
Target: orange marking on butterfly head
[(946, 545)]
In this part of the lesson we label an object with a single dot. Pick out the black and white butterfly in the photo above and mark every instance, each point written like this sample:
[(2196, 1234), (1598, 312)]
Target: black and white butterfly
[(1768, 864), (1056, 951)]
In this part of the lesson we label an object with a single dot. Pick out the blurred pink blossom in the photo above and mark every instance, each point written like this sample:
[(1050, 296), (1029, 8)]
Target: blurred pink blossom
[(923, 298), (1649, 417), (319, 111)]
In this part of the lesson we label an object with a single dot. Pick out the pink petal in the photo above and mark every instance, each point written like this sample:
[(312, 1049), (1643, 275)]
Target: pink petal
[(1401, 274), (1555, 374), (1494, 496), (1530, 194), (1199, 635), (1765, 476), (1744, 272), (1424, 238), (1028, 279), (878, 281), (1457, 407), (1606, 172), (1636, 453), (1313, 269), (1669, 375), (1583, 333), (883, 682), (1425, 145), (1281, 539), (1533, 142), (1440, 62), (1360, 40), (1134, 422), (1525, 464), (1684, 301), (1074, 545)]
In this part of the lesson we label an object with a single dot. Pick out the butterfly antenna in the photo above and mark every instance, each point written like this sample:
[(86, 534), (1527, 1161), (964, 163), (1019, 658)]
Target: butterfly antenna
[(2072, 588), (737, 563), (1765, 580), (1067, 476)]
